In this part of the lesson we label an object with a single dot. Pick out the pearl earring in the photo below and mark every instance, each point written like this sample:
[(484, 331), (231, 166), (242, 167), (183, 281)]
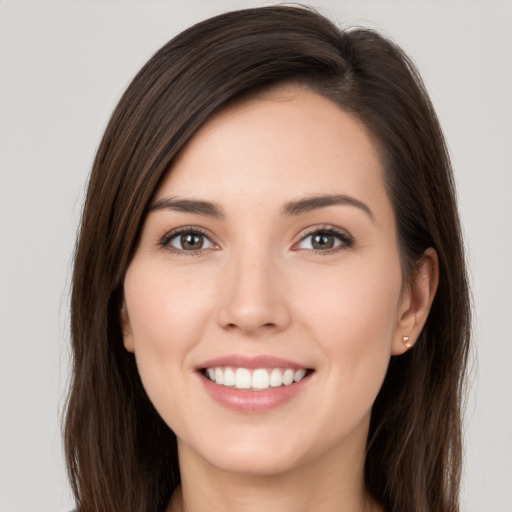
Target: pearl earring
[(406, 342)]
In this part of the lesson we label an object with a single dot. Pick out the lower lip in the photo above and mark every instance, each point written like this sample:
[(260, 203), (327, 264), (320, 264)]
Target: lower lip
[(253, 401)]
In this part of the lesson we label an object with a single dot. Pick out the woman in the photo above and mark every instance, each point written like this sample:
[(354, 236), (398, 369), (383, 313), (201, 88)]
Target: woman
[(269, 305)]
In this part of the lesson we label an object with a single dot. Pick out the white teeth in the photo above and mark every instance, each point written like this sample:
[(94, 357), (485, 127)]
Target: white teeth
[(299, 375), (229, 377), (276, 378), (288, 377), (242, 378), (259, 379)]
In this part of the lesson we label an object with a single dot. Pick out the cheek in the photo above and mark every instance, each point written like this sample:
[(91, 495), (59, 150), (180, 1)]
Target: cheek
[(352, 317), (351, 312), (167, 308), (348, 300), (168, 314)]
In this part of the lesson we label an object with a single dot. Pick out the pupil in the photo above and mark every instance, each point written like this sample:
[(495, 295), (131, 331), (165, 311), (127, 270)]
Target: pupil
[(191, 241), (323, 241)]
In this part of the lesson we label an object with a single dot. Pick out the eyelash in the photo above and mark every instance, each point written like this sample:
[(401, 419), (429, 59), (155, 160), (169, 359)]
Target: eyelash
[(346, 239), (192, 230)]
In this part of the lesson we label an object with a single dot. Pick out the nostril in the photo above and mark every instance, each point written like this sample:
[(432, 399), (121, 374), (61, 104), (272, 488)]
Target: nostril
[(250, 328)]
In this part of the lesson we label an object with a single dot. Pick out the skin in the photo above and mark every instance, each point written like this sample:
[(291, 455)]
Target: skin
[(259, 286)]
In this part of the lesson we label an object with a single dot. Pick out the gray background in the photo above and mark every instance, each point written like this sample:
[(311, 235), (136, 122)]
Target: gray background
[(63, 66)]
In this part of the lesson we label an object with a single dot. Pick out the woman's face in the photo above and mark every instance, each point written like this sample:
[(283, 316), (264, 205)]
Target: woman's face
[(270, 252)]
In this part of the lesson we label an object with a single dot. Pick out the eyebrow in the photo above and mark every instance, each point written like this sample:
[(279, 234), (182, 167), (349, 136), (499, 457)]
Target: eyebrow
[(308, 204), (198, 207)]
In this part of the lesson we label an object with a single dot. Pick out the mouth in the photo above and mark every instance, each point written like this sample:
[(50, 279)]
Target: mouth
[(255, 379), (253, 384)]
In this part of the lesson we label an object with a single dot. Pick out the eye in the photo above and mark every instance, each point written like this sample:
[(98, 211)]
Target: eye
[(187, 240), (325, 240)]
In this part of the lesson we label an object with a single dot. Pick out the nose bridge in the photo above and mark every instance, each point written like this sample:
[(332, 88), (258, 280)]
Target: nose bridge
[(253, 294)]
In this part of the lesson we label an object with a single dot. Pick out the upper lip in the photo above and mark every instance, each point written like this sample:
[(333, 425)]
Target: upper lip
[(249, 362)]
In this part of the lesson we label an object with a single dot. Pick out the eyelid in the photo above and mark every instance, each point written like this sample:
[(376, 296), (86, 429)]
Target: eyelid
[(347, 240), (164, 241)]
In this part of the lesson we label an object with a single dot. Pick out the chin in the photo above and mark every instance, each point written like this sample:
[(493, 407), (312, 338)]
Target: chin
[(252, 458), (256, 463)]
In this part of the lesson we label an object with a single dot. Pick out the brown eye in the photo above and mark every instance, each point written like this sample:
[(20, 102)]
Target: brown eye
[(324, 240), (191, 241), (188, 241)]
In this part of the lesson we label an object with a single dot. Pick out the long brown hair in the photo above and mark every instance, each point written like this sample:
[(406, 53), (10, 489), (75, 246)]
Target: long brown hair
[(120, 453)]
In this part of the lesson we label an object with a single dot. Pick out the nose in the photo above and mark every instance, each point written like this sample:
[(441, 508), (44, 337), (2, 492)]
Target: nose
[(254, 299)]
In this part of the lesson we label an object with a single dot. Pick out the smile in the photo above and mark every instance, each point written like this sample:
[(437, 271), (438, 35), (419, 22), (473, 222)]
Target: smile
[(258, 379), (253, 384)]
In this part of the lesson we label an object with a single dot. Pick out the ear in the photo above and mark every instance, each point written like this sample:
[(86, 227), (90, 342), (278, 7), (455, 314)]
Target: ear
[(124, 320), (416, 302)]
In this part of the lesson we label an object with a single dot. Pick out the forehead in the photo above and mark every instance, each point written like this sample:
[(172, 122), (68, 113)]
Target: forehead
[(286, 142)]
